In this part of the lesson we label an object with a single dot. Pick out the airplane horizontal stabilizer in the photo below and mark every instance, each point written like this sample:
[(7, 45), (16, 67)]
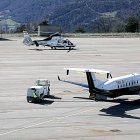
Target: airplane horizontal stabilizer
[(88, 70), (74, 83)]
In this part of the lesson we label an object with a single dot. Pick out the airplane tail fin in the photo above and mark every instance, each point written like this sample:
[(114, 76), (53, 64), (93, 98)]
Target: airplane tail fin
[(27, 39), (93, 82), (91, 79)]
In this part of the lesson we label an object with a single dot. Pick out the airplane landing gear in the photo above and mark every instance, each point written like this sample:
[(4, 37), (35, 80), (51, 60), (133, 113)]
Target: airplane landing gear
[(92, 96)]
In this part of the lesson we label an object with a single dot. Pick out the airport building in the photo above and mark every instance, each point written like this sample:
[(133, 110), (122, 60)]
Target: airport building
[(8, 25), (45, 30)]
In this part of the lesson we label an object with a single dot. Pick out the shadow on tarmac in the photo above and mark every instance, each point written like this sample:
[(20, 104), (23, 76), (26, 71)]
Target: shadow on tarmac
[(48, 100), (120, 109), (84, 98), (4, 39), (37, 49), (53, 97)]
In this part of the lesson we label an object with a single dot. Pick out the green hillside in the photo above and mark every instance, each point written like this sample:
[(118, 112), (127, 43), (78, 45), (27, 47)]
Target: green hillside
[(70, 14)]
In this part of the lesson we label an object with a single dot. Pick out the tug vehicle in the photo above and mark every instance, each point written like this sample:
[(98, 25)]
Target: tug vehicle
[(38, 92)]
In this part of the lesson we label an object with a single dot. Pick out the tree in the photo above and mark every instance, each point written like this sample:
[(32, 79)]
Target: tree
[(21, 29), (132, 25), (107, 24)]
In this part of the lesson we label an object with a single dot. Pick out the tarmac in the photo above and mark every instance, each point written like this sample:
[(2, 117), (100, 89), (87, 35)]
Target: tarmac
[(69, 114)]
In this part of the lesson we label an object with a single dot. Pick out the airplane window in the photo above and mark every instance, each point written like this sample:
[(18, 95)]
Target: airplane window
[(129, 84), (137, 82), (118, 86), (132, 82), (65, 41), (126, 84)]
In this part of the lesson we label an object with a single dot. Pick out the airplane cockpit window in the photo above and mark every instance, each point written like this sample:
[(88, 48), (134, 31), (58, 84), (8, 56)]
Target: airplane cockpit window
[(69, 43), (65, 41), (59, 40)]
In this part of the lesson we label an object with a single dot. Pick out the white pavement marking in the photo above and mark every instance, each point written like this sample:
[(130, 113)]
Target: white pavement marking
[(37, 124)]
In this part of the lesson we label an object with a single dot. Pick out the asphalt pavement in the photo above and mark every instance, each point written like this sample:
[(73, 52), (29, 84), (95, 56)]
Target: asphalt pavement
[(69, 114)]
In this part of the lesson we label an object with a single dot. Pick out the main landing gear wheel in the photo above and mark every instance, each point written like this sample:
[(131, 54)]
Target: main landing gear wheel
[(92, 96)]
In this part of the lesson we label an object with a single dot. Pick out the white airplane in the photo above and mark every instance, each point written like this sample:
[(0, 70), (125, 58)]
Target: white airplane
[(110, 87), (54, 41)]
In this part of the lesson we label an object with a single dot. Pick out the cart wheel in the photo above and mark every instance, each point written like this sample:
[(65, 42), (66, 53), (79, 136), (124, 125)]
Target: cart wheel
[(29, 99), (48, 91)]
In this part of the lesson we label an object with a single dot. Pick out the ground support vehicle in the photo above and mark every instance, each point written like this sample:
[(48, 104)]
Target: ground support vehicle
[(38, 92)]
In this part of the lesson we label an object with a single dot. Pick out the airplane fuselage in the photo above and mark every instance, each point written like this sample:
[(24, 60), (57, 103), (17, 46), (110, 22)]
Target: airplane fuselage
[(124, 85)]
